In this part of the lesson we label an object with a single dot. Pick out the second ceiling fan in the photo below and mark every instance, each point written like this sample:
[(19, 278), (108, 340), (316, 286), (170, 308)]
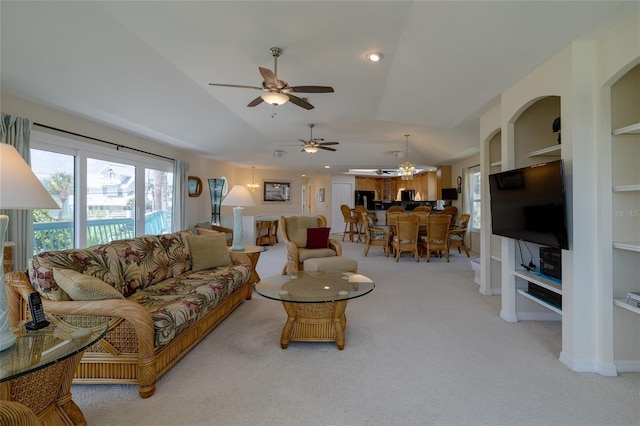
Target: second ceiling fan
[(314, 144), (278, 92)]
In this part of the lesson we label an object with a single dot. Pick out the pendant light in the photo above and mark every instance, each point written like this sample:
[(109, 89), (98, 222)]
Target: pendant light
[(407, 168), (253, 186)]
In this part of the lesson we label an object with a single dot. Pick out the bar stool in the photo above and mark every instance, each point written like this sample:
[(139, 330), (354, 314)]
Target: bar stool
[(264, 233)]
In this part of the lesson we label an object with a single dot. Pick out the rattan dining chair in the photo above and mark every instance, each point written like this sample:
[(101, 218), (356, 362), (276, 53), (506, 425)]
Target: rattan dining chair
[(423, 209), (406, 236), (423, 216), (350, 222), (458, 234), (437, 239), (360, 227), (374, 236)]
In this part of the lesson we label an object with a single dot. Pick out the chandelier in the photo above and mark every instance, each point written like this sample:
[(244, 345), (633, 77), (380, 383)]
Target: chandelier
[(253, 185), (406, 168)]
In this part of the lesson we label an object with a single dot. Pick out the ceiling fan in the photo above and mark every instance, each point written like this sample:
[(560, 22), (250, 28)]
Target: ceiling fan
[(380, 172), (314, 144), (278, 92)]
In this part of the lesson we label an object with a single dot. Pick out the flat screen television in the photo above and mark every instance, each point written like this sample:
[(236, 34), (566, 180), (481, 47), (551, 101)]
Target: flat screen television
[(449, 194), (529, 204)]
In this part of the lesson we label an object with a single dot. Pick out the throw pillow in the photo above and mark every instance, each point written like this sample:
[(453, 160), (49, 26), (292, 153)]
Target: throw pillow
[(317, 238), (208, 251), (84, 287)]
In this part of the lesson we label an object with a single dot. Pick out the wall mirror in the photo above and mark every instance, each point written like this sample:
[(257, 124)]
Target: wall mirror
[(195, 186)]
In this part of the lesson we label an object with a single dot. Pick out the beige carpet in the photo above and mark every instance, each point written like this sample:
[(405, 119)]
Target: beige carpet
[(424, 348)]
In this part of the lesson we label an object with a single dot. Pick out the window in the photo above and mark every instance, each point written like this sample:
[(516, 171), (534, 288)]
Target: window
[(105, 194), (475, 196)]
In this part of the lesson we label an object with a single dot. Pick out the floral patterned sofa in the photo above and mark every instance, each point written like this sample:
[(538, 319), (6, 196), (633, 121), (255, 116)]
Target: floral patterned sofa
[(160, 293)]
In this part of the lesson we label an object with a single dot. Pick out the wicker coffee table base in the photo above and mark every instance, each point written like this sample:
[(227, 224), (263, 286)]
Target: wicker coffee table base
[(314, 322)]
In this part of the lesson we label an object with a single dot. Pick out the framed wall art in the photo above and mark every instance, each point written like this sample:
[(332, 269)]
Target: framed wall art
[(276, 192)]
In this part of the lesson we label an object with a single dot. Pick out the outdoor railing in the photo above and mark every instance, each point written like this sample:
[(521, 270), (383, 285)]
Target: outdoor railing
[(49, 236)]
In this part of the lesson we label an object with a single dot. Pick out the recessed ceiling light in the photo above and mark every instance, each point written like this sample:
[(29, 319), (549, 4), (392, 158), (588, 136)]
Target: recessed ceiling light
[(374, 56), (327, 167)]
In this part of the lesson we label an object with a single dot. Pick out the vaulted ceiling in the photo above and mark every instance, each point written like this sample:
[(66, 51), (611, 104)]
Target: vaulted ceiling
[(144, 67)]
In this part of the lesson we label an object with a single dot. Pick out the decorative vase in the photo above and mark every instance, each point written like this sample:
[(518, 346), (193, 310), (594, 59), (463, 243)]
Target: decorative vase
[(217, 190)]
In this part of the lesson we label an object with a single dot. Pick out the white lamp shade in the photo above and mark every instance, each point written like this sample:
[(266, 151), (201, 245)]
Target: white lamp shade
[(310, 149), (20, 188), (275, 98), (239, 196)]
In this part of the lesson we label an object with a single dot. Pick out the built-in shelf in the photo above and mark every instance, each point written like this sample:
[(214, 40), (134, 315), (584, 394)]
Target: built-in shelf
[(540, 280), (623, 304), (540, 301), (628, 130), (626, 188), (550, 151), (631, 246), (496, 163)]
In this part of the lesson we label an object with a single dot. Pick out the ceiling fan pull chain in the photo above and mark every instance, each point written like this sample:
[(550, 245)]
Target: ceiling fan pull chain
[(274, 113)]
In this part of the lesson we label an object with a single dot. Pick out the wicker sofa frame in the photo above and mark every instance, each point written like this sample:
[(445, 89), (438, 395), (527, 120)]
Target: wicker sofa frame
[(126, 355)]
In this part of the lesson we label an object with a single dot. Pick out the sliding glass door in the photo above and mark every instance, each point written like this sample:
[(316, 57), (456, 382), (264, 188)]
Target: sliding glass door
[(104, 195)]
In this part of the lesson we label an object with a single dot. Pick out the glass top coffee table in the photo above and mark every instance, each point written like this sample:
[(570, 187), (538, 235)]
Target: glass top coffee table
[(315, 303), (38, 368)]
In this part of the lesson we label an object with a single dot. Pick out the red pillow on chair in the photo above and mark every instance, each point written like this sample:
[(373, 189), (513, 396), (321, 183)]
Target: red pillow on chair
[(317, 238)]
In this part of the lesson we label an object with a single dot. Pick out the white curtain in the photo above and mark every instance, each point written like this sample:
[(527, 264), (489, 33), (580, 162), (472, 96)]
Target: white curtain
[(180, 194), (16, 131)]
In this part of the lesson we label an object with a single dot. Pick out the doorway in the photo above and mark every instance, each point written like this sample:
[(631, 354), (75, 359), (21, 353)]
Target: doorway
[(341, 193)]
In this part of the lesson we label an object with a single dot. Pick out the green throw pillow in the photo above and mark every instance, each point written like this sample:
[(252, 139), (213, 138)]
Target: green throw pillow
[(84, 287), (208, 251)]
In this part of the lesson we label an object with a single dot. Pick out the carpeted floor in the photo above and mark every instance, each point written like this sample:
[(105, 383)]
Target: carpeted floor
[(424, 348)]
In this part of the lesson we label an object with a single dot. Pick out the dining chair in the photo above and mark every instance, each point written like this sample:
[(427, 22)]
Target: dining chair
[(423, 209), (350, 222), (360, 227), (458, 234), (437, 239), (451, 211), (423, 216), (392, 209), (373, 235), (406, 236)]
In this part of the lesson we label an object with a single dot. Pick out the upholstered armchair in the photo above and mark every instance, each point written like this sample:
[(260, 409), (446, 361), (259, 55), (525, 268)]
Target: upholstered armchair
[(306, 237)]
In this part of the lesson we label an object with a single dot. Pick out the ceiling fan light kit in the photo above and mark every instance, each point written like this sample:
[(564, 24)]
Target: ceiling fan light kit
[(275, 98)]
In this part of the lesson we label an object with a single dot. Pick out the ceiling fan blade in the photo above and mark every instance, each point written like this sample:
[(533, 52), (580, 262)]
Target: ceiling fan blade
[(312, 89), (236, 85), (329, 143), (256, 101), (325, 148), (300, 102), (269, 76)]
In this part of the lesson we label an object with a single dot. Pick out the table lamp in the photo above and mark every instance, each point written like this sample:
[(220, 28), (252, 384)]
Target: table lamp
[(240, 197), (20, 189)]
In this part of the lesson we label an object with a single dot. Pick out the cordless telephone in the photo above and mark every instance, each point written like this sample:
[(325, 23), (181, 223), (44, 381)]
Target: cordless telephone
[(38, 320)]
